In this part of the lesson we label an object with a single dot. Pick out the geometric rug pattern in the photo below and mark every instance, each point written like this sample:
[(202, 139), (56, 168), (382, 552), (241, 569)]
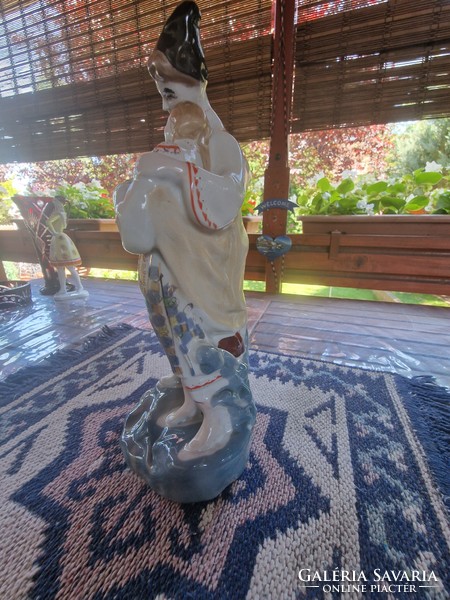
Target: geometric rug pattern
[(339, 498)]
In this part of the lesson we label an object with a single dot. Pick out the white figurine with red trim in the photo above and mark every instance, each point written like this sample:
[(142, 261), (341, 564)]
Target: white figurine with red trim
[(182, 214)]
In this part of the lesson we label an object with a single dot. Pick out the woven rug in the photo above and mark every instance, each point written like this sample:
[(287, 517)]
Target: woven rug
[(343, 496)]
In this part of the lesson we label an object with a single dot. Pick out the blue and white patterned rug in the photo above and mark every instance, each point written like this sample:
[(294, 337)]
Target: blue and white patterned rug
[(339, 500)]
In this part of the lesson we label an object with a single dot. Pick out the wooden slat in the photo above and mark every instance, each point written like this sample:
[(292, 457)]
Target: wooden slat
[(380, 64), (390, 25), (382, 243), (245, 59), (17, 246), (252, 274), (255, 265), (103, 249), (364, 281), (423, 225), (393, 243), (413, 264)]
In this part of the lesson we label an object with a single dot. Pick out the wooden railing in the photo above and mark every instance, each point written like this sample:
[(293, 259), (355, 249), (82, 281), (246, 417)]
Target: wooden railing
[(410, 254), (398, 253)]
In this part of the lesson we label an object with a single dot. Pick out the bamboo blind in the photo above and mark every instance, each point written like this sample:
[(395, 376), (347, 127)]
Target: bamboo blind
[(384, 63), (73, 77), (73, 80)]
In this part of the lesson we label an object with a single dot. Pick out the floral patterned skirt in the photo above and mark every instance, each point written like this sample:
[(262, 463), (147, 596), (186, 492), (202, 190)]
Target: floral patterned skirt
[(63, 252)]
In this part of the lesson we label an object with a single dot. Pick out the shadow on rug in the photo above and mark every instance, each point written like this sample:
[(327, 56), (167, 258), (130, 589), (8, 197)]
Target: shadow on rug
[(339, 498)]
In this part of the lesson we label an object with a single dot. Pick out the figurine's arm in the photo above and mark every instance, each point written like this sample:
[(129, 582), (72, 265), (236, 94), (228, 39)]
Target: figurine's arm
[(161, 167), (212, 198), (133, 214), (52, 219)]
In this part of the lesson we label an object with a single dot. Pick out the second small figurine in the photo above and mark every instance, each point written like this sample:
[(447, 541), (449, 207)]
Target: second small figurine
[(64, 254)]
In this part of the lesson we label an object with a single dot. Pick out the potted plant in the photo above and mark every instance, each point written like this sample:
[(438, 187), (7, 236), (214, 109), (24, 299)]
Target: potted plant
[(89, 207), (425, 191), (388, 234)]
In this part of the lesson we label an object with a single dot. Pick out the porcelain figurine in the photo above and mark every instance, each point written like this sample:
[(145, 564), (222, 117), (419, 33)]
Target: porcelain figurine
[(35, 211), (189, 437), (64, 254)]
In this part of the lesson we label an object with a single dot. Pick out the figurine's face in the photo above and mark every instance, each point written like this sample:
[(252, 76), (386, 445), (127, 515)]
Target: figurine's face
[(174, 86), (173, 92)]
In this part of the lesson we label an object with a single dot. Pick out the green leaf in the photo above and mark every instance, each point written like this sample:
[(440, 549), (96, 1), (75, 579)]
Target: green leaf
[(443, 202), (347, 205), (334, 209), (376, 188), (392, 201), (324, 185), (416, 203), (302, 199), (335, 196), (429, 177), (317, 204), (345, 186), (396, 188), (376, 205)]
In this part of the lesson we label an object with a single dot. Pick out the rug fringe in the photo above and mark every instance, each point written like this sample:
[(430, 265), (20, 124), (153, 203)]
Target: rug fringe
[(428, 406), (36, 374)]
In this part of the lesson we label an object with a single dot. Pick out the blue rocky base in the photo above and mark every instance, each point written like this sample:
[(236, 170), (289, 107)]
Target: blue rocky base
[(151, 448)]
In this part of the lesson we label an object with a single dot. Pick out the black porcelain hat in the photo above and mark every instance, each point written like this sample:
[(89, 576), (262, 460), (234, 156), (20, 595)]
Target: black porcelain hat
[(180, 41)]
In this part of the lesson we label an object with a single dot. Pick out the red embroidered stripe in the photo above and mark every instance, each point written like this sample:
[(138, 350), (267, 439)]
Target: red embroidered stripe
[(196, 202), (191, 191), (198, 387)]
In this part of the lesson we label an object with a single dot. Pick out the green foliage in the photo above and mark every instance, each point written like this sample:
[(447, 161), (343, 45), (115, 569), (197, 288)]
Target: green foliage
[(11, 270), (87, 201), (327, 152), (253, 196), (249, 204), (422, 142), (114, 274), (257, 155), (7, 190), (49, 175), (423, 191), (410, 298), (328, 292)]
